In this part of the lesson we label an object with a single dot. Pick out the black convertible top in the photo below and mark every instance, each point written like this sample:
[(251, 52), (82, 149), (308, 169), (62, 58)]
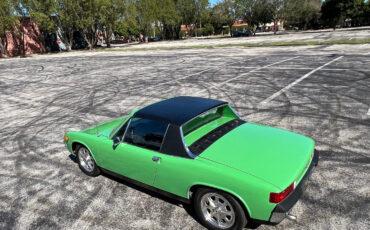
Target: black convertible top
[(178, 110)]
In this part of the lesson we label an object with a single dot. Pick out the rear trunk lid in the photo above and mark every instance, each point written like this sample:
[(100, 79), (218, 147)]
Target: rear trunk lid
[(271, 154)]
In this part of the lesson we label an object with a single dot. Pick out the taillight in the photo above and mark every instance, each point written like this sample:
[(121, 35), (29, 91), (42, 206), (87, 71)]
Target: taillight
[(278, 197)]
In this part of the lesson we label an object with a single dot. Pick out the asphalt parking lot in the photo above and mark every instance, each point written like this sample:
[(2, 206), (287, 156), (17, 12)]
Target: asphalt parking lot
[(319, 91)]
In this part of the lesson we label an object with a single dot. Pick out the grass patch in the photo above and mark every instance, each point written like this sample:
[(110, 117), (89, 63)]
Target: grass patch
[(354, 41), (294, 43)]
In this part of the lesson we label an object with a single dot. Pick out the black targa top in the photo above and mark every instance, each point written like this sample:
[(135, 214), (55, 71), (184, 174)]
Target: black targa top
[(176, 112)]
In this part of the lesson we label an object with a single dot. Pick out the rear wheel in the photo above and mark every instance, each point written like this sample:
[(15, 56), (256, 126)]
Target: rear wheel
[(219, 210), (86, 162)]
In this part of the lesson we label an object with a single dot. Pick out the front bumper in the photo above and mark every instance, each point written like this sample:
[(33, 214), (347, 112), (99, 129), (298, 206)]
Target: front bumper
[(280, 211)]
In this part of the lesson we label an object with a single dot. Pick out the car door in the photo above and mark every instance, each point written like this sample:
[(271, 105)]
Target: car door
[(135, 157)]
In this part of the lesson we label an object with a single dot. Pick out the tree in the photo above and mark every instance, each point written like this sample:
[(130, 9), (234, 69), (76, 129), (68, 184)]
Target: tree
[(340, 11), (332, 12), (366, 14), (302, 13), (54, 16), (263, 11), (230, 8), (110, 12), (353, 11), (225, 13), (186, 10), (21, 9), (87, 15), (276, 9), (169, 17), (65, 21), (248, 11), (200, 9), (128, 25), (146, 10), (7, 23)]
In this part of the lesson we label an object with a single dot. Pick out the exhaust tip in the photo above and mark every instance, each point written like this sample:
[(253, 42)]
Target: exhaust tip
[(290, 216)]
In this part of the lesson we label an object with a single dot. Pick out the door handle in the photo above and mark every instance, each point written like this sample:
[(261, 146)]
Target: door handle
[(155, 158)]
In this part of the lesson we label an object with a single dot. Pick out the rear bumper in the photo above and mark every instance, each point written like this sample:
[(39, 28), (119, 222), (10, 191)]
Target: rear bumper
[(280, 211)]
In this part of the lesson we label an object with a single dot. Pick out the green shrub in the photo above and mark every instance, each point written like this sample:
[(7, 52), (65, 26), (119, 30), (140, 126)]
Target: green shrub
[(208, 29), (200, 32), (182, 34)]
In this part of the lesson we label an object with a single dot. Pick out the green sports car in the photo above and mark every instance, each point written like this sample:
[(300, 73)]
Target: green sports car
[(200, 151)]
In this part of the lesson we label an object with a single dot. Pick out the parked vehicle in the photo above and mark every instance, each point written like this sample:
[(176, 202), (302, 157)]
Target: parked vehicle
[(200, 151), (155, 39), (120, 41), (242, 33)]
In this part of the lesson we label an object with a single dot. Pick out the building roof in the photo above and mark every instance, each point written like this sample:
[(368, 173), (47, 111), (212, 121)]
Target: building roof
[(178, 110)]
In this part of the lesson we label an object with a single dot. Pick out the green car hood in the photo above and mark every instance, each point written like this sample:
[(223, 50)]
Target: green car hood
[(271, 154), (105, 128)]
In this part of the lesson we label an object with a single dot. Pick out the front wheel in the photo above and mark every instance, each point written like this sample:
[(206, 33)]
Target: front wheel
[(86, 162), (219, 210)]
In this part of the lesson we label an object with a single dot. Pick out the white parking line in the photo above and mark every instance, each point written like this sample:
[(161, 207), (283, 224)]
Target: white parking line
[(279, 68), (187, 76), (243, 74), (302, 68), (267, 100)]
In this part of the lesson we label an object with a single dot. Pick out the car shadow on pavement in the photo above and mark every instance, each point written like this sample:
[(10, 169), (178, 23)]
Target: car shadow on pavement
[(188, 207)]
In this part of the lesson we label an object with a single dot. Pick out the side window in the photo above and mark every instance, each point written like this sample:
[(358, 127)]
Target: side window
[(146, 133), (122, 130)]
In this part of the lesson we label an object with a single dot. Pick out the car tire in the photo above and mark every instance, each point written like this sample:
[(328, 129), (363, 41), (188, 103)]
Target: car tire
[(219, 210), (86, 162)]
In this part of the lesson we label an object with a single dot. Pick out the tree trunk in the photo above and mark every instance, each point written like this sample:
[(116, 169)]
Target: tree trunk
[(90, 45), (17, 43), (3, 46), (69, 41), (275, 26), (69, 47), (163, 31), (88, 40), (70, 37), (231, 33), (107, 39), (22, 38), (177, 30), (2, 49)]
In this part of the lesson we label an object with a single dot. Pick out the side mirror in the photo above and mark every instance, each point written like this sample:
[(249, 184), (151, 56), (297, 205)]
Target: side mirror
[(116, 141)]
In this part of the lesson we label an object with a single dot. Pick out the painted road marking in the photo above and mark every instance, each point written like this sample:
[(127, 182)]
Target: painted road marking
[(267, 100), (243, 74), (280, 68), (292, 68), (182, 78)]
